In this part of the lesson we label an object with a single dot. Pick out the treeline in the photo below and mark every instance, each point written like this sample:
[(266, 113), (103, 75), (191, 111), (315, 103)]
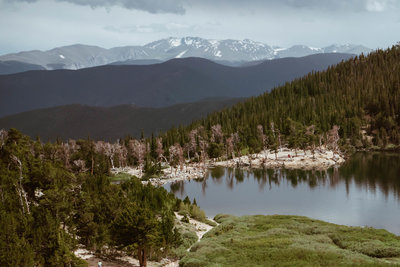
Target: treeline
[(353, 105), (54, 197), (361, 97)]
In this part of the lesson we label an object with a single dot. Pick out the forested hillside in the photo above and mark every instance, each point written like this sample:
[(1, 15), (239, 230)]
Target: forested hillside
[(51, 201), (358, 99)]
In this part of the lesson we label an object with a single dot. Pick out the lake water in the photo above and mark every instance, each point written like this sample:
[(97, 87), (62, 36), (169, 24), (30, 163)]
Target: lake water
[(365, 191)]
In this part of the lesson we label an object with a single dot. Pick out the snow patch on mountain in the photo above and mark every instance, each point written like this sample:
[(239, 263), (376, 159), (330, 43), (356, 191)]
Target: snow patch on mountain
[(181, 54), (175, 42), (84, 56)]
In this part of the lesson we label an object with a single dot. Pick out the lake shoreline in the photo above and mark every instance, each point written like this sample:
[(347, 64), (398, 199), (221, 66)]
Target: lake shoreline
[(283, 158)]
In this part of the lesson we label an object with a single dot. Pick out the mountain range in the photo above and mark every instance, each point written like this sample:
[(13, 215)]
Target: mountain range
[(158, 85), (229, 52)]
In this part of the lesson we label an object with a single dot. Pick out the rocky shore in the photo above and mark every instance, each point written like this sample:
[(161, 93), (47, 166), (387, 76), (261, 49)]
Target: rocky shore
[(287, 158), (284, 158)]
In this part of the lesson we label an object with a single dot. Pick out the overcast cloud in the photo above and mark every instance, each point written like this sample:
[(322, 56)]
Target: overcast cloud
[(152, 6), (176, 6), (45, 24), (325, 5)]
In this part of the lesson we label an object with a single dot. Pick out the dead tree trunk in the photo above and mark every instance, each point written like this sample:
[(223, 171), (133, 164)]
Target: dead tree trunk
[(19, 188)]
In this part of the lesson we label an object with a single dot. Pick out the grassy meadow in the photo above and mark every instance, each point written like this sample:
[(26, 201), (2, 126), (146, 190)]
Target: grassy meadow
[(280, 240)]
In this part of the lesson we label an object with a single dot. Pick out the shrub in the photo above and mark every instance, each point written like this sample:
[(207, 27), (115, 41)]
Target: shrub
[(197, 214)]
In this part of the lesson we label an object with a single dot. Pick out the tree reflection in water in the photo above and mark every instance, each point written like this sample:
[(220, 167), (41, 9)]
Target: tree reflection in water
[(370, 171)]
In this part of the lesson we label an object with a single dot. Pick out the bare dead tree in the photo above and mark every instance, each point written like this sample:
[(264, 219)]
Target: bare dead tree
[(122, 153), (216, 134), (81, 165), (109, 152), (333, 138), (64, 153), (73, 146), (203, 150), (99, 147), (3, 137), (273, 128), (138, 149), (320, 138), (172, 155), (159, 149), (310, 130), (186, 149), (230, 147), (236, 143), (106, 149), (179, 154), (147, 151), (23, 199), (192, 145), (263, 138)]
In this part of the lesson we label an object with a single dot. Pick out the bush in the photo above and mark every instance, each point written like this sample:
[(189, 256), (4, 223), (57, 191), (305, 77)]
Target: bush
[(211, 223), (185, 219), (184, 209), (375, 248), (219, 218), (197, 214)]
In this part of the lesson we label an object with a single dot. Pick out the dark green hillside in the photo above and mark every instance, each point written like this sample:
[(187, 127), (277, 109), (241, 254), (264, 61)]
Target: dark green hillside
[(176, 81), (361, 96), (109, 123)]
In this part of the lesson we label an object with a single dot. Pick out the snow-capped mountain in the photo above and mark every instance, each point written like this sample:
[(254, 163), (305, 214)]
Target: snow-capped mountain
[(83, 56), (229, 50)]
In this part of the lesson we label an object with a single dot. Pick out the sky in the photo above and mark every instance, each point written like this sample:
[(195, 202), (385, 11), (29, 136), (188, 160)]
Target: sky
[(45, 24)]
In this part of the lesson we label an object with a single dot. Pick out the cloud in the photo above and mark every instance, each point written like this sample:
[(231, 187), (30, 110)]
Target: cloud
[(151, 6), (151, 28), (180, 6), (323, 5), (376, 6)]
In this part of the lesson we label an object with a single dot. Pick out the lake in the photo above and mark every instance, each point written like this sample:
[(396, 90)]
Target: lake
[(365, 191)]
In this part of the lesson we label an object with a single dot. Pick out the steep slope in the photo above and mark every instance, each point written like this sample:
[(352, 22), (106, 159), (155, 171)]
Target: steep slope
[(76, 121), (357, 100), (84, 56), (159, 85)]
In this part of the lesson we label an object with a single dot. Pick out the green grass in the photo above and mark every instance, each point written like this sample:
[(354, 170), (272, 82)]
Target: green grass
[(291, 241), (194, 212), (188, 238), (120, 177)]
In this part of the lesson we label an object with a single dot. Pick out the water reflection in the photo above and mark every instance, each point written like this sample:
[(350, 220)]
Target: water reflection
[(373, 171), (363, 191), (369, 171)]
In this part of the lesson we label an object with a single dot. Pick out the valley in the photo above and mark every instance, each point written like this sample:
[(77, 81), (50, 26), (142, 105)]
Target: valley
[(119, 155), (159, 85)]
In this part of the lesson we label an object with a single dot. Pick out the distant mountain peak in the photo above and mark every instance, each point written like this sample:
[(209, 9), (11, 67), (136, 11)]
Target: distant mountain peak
[(78, 56)]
